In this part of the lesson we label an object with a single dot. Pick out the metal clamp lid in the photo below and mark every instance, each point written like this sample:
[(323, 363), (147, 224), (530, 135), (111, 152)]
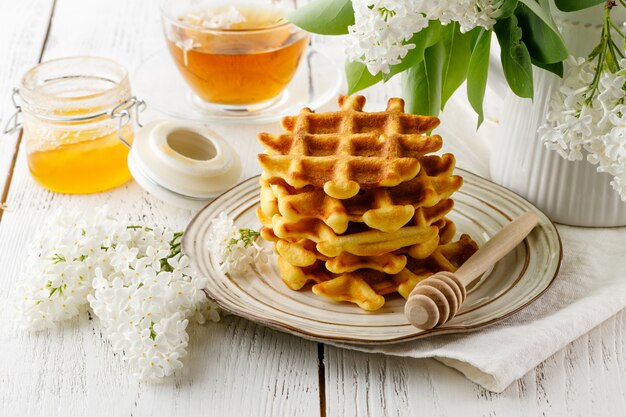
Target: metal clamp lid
[(14, 123), (122, 112)]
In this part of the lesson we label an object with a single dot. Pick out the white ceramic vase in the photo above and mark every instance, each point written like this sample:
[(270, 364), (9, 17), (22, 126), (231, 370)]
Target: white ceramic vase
[(568, 192)]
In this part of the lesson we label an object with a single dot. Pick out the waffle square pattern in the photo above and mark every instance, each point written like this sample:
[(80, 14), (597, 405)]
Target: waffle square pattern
[(356, 202)]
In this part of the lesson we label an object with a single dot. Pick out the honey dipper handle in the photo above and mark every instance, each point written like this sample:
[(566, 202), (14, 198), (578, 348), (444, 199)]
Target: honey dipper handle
[(497, 247)]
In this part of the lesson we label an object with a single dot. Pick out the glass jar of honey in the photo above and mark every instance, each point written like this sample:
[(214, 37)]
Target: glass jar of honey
[(69, 108)]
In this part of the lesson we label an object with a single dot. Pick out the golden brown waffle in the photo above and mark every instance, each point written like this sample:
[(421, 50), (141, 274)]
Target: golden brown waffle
[(304, 252), (386, 209), (362, 243), (419, 237), (367, 287), (345, 151), (354, 203)]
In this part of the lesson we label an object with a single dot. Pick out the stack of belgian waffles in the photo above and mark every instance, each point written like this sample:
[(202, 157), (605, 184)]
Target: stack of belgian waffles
[(356, 202)]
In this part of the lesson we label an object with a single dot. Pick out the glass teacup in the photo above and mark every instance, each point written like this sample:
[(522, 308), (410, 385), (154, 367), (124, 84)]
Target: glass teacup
[(238, 55)]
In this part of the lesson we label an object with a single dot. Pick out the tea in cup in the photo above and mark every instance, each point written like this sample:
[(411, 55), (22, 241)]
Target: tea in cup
[(235, 55)]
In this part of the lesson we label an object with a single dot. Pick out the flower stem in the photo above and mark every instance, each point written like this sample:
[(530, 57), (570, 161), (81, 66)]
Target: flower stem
[(607, 52), (617, 29)]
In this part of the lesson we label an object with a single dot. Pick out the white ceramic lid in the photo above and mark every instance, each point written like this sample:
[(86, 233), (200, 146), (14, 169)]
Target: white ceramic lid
[(182, 163)]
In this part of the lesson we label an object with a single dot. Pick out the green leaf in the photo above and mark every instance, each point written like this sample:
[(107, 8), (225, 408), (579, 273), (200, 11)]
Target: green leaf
[(556, 68), (507, 8), (542, 11), (573, 5), (544, 44), (611, 62), (457, 53), (326, 17), (359, 77), (515, 58), (423, 39), (421, 84), (596, 51), (478, 72)]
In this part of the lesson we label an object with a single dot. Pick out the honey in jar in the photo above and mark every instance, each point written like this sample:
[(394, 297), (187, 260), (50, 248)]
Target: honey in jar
[(87, 165), (71, 140), (237, 54)]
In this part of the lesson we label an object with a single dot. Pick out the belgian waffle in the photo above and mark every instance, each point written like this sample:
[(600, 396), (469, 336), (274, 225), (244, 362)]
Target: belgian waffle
[(419, 237), (304, 253), (347, 150), (386, 209), (367, 287)]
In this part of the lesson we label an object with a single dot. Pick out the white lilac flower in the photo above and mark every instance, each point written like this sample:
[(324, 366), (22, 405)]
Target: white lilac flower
[(576, 128), (235, 249), (57, 276), (382, 28), (133, 307), (380, 31), (468, 13), (134, 278), (223, 18)]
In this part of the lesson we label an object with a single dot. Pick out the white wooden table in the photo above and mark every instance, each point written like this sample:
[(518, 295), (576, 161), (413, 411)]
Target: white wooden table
[(234, 368)]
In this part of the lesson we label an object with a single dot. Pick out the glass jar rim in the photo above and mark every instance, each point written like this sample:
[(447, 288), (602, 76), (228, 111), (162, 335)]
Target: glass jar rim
[(174, 20), (26, 82), (45, 104)]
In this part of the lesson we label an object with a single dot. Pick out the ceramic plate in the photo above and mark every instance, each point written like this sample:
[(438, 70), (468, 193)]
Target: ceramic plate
[(482, 209), (316, 81)]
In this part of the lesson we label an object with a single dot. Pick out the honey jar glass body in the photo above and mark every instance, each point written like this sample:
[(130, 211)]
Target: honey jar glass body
[(70, 136)]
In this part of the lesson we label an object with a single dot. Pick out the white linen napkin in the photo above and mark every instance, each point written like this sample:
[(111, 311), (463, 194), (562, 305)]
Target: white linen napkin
[(590, 287)]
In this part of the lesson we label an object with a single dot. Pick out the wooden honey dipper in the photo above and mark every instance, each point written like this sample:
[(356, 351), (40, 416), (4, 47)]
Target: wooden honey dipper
[(438, 298)]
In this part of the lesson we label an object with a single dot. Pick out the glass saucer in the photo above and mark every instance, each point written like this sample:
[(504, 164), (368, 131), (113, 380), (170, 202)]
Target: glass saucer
[(158, 82)]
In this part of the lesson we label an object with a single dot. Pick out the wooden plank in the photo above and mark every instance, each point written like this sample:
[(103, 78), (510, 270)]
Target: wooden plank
[(234, 368), (22, 35), (586, 378)]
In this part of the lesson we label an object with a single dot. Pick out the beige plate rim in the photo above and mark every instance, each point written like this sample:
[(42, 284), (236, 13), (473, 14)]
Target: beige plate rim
[(281, 326)]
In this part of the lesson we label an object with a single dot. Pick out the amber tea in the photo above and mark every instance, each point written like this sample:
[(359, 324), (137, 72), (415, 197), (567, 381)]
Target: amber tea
[(236, 55)]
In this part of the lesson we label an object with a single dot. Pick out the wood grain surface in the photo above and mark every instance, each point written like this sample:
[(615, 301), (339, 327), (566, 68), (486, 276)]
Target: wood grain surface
[(588, 378), (23, 30), (234, 368)]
